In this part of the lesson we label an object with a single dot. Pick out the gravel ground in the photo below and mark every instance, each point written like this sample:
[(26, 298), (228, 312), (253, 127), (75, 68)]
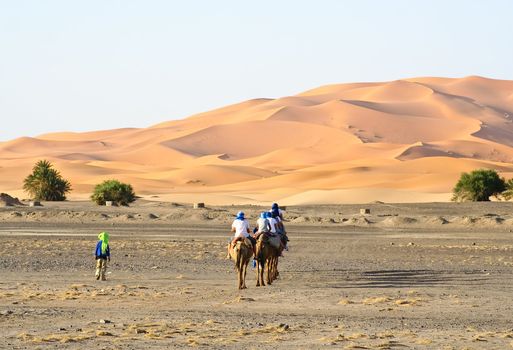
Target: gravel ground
[(349, 284)]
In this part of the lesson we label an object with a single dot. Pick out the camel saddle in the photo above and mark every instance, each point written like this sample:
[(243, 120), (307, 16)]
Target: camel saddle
[(273, 240), (246, 242)]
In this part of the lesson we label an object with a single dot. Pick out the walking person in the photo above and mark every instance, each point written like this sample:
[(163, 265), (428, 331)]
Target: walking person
[(102, 255)]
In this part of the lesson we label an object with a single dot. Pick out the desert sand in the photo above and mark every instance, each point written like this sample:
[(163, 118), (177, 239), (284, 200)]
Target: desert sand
[(405, 276), (400, 141)]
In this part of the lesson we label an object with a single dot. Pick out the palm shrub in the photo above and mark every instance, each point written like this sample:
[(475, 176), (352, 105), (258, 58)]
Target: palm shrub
[(45, 183), (478, 186), (113, 190)]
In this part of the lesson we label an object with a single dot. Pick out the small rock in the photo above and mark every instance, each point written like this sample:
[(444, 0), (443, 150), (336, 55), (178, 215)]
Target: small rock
[(105, 321), (284, 326), (411, 244), (6, 312), (62, 329)]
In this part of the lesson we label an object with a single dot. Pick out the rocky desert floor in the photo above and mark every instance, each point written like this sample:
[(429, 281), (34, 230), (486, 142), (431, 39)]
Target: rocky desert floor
[(405, 276)]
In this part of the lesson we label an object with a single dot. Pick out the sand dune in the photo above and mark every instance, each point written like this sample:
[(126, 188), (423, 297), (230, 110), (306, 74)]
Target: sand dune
[(402, 140)]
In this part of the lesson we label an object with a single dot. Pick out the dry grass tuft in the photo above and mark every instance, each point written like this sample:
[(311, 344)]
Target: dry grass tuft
[(385, 334), (407, 302), (375, 300), (357, 336), (101, 333), (355, 346), (53, 338)]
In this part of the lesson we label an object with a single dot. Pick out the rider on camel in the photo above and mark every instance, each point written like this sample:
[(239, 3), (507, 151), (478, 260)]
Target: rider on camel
[(240, 228)]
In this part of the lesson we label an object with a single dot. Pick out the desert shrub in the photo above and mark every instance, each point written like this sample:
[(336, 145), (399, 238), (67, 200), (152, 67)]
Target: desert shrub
[(45, 183), (113, 190), (478, 186), (507, 194)]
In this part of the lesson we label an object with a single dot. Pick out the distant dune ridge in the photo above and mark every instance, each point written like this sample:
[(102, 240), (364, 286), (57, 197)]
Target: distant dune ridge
[(400, 141)]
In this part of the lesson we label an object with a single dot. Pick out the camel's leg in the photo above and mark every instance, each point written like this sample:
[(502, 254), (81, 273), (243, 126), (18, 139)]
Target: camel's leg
[(239, 277), (257, 253), (239, 270), (275, 261), (258, 274), (269, 270), (261, 272), (272, 268), (244, 271)]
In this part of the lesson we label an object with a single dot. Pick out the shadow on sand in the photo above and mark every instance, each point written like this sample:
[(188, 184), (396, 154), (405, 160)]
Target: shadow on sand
[(392, 278)]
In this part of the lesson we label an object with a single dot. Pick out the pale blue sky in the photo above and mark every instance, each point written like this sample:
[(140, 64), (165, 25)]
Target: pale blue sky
[(89, 65)]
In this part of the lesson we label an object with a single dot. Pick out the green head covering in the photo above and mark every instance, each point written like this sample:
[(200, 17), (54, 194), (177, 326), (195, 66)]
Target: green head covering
[(104, 237)]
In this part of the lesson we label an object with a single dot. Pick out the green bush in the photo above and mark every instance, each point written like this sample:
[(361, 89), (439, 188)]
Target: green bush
[(113, 190), (45, 183), (478, 186), (508, 192)]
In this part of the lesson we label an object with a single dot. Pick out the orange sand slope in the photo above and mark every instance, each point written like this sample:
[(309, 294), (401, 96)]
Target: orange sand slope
[(405, 140)]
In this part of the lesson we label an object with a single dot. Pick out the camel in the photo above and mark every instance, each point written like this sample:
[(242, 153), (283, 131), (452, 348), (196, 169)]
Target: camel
[(272, 269), (272, 264), (241, 253), (266, 254)]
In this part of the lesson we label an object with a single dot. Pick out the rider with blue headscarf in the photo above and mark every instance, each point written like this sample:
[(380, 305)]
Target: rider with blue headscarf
[(273, 224), (277, 215), (276, 211), (240, 228), (263, 225)]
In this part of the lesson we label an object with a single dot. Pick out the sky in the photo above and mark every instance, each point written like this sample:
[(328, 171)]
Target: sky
[(103, 64)]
